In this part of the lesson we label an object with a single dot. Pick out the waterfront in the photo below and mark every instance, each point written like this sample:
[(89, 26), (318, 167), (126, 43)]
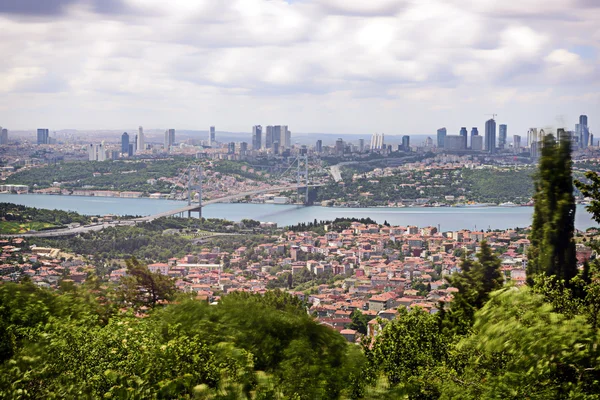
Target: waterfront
[(449, 218)]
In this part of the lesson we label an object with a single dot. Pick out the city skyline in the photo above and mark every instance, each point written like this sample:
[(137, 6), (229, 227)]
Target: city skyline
[(441, 63)]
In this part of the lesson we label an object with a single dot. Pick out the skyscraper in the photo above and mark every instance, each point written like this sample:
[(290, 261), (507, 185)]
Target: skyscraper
[(361, 145), (269, 137), (91, 152), (490, 136), (43, 136), (212, 137), (532, 137), (502, 131), (465, 135), (140, 142), (231, 148), (474, 132), (339, 146), (406, 143), (287, 137), (256, 137), (243, 148), (169, 139), (3, 135), (101, 152), (516, 142), (377, 141), (125, 143), (584, 131), (441, 137), (319, 146)]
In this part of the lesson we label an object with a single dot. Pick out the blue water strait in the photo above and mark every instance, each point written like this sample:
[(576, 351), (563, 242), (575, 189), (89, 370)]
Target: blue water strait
[(448, 218)]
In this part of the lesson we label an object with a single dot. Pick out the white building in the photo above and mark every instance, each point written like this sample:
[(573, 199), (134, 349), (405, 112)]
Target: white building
[(141, 144)]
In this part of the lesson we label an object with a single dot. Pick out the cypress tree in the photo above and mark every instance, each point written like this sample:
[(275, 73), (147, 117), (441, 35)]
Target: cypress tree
[(552, 248)]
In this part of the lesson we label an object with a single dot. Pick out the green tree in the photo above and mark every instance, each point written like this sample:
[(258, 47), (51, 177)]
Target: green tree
[(475, 282), (143, 287), (359, 321), (552, 249), (407, 351)]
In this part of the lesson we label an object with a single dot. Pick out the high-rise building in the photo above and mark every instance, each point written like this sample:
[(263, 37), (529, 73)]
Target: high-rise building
[(140, 141), (454, 143), (100, 152), (532, 137), (474, 132), (243, 148), (125, 143), (169, 139), (465, 135), (441, 137), (131, 150), (584, 135), (91, 152), (378, 141), (490, 136), (212, 137), (361, 145), (406, 143), (135, 143), (231, 148), (269, 137), (3, 135), (43, 136), (287, 136), (339, 146), (256, 137), (476, 143), (516, 142), (502, 132), (319, 146)]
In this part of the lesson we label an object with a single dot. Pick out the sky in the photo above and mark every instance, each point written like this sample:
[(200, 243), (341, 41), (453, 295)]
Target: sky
[(336, 66)]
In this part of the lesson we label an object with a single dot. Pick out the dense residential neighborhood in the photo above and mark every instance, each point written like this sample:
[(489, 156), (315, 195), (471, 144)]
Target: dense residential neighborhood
[(376, 269)]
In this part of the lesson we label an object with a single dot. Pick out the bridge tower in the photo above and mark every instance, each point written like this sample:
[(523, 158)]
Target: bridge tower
[(302, 175), (197, 187)]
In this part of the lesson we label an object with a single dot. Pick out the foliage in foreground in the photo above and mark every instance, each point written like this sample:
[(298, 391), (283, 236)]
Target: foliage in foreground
[(248, 346)]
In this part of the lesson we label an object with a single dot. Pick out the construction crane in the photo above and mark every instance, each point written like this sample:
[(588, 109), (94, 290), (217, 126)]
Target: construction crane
[(493, 116)]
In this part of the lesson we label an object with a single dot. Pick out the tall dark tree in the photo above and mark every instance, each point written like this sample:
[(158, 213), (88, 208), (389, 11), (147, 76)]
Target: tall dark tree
[(552, 249)]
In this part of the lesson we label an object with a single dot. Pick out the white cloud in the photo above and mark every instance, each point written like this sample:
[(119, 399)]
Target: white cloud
[(270, 58)]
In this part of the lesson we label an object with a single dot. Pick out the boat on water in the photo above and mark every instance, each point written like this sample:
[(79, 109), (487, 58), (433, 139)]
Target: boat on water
[(508, 204)]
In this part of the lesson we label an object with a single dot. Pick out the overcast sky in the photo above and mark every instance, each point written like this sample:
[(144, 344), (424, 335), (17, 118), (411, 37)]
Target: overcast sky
[(339, 66)]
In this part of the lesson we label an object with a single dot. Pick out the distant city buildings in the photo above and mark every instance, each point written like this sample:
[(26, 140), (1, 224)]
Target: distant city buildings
[(339, 146), (43, 136), (212, 137), (378, 141), (361, 145), (454, 143), (125, 143), (169, 139), (490, 136), (140, 141), (256, 137), (3, 136), (502, 134), (406, 143), (465, 135), (96, 152), (477, 143), (319, 146), (441, 137), (584, 131), (516, 142)]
